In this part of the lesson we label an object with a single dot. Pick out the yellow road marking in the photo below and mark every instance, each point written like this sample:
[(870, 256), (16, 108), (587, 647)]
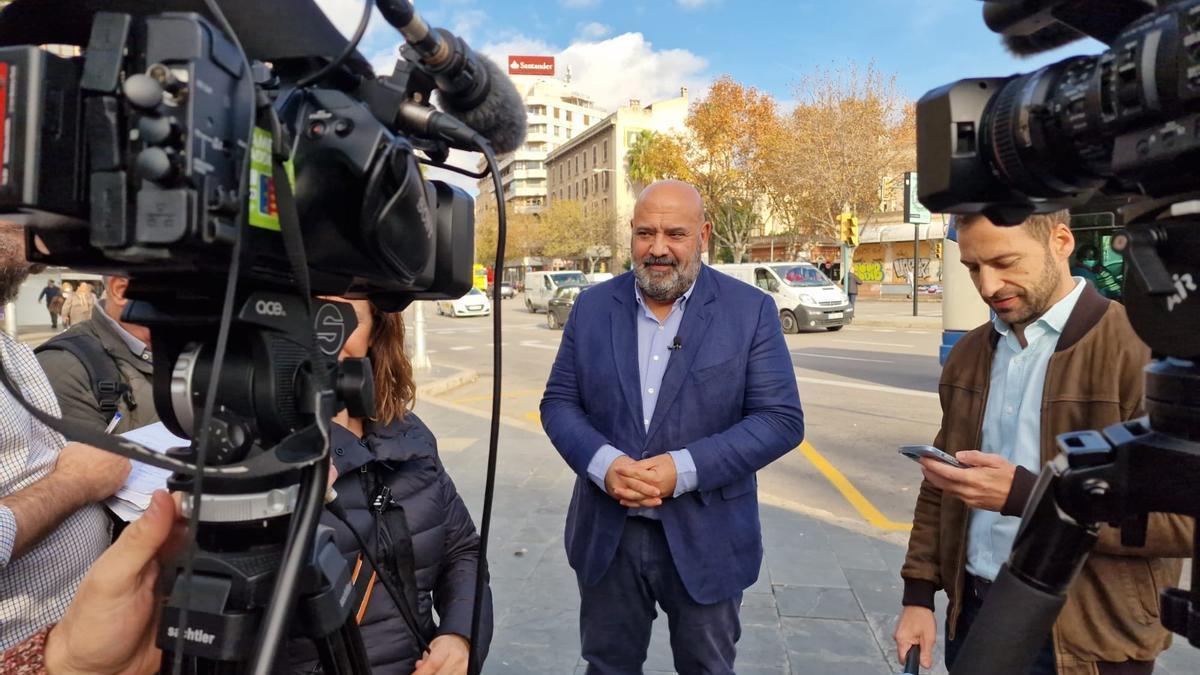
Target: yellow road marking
[(860, 503)]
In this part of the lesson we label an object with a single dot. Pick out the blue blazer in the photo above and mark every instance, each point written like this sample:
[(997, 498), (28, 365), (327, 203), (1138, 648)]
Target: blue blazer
[(728, 396)]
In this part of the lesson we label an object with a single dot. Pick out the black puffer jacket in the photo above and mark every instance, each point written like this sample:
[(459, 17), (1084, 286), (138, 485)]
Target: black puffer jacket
[(445, 547)]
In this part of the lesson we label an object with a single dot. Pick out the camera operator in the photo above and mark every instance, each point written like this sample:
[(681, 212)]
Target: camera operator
[(423, 535), (51, 528), (103, 367), (1057, 357)]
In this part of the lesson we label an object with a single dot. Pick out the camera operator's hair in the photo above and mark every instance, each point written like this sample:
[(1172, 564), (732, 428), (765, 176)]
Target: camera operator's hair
[(1039, 225), (395, 390)]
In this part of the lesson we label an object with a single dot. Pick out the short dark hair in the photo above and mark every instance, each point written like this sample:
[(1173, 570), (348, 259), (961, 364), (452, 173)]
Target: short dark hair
[(1039, 225)]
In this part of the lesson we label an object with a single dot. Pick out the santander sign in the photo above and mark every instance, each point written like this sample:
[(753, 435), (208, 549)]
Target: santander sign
[(531, 65)]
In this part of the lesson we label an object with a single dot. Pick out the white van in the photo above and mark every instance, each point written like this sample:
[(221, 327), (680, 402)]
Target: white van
[(806, 298), (540, 286)]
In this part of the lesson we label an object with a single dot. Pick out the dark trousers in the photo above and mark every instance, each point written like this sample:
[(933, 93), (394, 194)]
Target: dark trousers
[(53, 320), (853, 298), (616, 614), (974, 592)]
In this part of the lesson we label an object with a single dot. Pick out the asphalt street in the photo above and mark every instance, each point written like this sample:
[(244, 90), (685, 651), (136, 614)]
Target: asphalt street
[(865, 391)]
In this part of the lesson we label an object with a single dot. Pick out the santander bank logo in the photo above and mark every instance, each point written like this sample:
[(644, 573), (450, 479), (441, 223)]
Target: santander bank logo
[(531, 65)]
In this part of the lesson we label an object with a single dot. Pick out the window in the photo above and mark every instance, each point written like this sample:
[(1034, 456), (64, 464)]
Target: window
[(606, 180), (585, 187), (595, 182), (585, 160), (537, 128), (593, 155), (576, 163), (557, 131), (537, 110), (586, 120), (556, 111), (568, 115), (606, 150)]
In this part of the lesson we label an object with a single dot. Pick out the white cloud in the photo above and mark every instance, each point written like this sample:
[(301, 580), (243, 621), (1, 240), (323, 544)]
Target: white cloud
[(345, 15), (579, 4), (614, 70), (692, 4), (594, 30)]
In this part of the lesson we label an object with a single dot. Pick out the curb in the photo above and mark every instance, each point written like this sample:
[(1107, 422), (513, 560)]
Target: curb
[(930, 323), (437, 387)]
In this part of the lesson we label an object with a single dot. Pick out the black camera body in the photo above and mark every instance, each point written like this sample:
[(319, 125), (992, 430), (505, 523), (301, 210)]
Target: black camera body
[(1126, 121), (127, 160)]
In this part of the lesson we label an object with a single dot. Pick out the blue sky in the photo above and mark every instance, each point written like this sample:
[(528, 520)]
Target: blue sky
[(646, 49)]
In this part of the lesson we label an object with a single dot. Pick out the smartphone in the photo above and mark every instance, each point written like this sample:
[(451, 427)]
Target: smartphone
[(916, 452)]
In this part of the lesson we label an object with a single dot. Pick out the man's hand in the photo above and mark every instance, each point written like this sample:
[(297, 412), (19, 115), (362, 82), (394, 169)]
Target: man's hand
[(97, 473), (447, 655), (916, 628), (658, 471), (983, 486), (632, 492), (111, 624)]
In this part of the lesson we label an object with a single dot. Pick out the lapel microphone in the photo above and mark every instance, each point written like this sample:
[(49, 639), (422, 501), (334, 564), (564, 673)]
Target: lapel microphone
[(676, 345)]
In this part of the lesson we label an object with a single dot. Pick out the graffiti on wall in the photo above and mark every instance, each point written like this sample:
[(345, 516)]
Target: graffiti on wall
[(902, 266), (869, 272)]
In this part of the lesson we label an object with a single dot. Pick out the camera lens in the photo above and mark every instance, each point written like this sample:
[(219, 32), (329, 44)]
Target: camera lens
[(1037, 128)]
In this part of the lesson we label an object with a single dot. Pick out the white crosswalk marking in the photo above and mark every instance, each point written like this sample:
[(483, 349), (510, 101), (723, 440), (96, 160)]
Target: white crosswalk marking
[(462, 348)]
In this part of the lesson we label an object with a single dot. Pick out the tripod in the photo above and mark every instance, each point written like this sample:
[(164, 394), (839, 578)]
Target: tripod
[(1119, 475)]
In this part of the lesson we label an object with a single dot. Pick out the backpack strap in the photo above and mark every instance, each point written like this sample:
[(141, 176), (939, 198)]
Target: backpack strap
[(102, 372)]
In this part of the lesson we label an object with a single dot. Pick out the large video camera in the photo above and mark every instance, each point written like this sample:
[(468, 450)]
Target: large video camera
[(1123, 125), (236, 159)]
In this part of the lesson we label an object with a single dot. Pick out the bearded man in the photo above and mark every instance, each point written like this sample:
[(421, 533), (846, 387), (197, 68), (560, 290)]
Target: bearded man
[(672, 387), (1057, 357), (51, 526)]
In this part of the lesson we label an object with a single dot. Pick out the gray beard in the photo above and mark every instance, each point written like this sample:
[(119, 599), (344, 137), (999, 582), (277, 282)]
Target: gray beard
[(667, 287)]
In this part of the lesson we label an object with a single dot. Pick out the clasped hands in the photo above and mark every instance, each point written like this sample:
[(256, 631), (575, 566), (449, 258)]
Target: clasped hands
[(641, 484)]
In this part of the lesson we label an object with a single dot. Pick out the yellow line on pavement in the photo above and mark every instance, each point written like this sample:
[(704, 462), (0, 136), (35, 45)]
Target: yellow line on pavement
[(864, 507)]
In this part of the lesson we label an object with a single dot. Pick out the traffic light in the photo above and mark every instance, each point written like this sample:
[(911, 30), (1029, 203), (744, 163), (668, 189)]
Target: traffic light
[(849, 229)]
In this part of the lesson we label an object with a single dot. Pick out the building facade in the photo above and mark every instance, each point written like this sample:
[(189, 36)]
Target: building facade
[(557, 114), (590, 167)]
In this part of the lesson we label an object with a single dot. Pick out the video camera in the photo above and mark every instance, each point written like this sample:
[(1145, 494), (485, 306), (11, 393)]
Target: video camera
[(236, 159), (1123, 125)]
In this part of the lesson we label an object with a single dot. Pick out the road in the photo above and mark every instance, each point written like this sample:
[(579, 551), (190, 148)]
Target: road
[(865, 392)]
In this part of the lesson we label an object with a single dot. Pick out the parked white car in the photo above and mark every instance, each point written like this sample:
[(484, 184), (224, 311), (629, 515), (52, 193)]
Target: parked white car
[(474, 303)]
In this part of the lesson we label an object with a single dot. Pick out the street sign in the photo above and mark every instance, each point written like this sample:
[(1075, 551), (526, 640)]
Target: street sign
[(914, 210), (531, 65)]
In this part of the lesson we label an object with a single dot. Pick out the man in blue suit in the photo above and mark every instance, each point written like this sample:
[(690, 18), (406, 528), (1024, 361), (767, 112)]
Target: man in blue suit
[(672, 387)]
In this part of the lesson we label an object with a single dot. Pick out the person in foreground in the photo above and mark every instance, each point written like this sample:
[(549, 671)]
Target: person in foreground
[(421, 532), (672, 386), (1057, 357)]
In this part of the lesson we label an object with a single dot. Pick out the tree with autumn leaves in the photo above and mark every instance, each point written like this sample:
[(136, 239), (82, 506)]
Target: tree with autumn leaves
[(849, 134), (561, 230)]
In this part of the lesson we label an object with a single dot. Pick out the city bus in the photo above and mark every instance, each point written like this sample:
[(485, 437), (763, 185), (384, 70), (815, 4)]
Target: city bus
[(1094, 226)]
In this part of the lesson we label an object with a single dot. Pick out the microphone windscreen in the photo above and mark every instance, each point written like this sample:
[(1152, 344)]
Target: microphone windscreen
[(501, 117)]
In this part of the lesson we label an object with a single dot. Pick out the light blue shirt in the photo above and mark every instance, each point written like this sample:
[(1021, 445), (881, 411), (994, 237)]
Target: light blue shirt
[(654, 341), (1012, 423)]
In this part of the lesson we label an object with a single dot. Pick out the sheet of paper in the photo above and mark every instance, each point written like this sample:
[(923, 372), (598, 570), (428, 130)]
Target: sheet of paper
[(134, 496)]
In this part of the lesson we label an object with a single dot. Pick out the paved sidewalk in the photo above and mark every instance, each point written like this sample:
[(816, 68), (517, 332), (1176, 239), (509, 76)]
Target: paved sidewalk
[(898, 314), (825, 602)]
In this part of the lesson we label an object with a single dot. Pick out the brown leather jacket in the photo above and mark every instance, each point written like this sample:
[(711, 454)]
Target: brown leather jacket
[(1093, 380)]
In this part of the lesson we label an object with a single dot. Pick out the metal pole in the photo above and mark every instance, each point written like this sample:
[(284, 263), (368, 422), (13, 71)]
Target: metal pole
[(420, 356), (845, 264), (10, 319), (916, 253)]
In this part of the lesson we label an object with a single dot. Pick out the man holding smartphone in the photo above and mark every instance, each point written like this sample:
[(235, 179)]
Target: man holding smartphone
[(1057, 357)]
